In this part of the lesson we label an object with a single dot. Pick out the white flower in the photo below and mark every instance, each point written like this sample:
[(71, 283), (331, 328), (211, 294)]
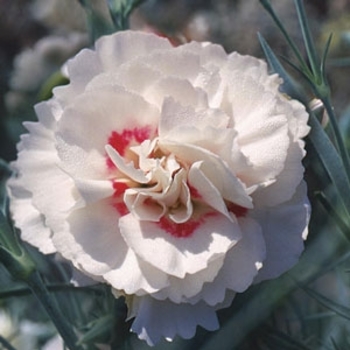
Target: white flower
[(172, 174), (33, 66), (24, 334)]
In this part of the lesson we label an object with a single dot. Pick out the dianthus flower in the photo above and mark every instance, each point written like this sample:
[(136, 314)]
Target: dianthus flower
[(173, 174)]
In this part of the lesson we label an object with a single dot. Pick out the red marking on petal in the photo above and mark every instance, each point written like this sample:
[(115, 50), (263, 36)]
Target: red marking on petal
[(121, 141), (194, 192), (174, 40), (121, 208), (119, 188), (185, 229), (110, 164), (237, 210)]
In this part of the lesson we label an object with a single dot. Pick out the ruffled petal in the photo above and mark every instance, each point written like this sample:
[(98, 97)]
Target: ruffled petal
[(174, 319), (91, 238), (185, 289), (122, 47), (28, 218), (107, 116), (241, 265), (135, 276), (230, 187), (160, 243), (285, 227)]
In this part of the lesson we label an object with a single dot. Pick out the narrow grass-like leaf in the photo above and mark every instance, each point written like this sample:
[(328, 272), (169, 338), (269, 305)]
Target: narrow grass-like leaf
[(335, 128), (340, 310), (324, 57), (334, 214), (52, 288), (284, 341), (99, 330), (308, 40), (267, 5), (331, 161), (289, 84)]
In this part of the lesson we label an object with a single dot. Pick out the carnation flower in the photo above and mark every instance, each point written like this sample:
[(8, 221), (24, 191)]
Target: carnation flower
[(172, 174)]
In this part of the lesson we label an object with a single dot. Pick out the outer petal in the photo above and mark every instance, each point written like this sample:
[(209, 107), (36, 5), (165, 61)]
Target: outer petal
[(184, 289), (28, 218), (40, 175), (284, 229), (213, 234), (135, 276), (156, 319), (292, 174), (122, 47), (99, 114), (241, 265), (91, 239), (79, 75)]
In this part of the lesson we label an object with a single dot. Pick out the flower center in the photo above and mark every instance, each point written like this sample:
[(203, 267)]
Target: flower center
[(153, 185)]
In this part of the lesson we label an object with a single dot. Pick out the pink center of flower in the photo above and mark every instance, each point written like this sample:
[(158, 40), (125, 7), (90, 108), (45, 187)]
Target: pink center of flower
[(185, 229), (151, 183), (121, 141), (119, 189)]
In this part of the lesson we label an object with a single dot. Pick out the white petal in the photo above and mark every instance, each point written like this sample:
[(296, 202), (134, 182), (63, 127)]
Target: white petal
[(180, 63), (286, 182), (184, 289), (163, 319), (208, 236), (258, 138), (28, 218), (205, 189), (144, 207), (127, 169), (175, 89), (107, 116), (91, 239), (241, 265), (293, 171), (284, 229), (177, 118), (94, 190), (40, 175), (230, 187), (79, 75), (116, 49), (135, 276)]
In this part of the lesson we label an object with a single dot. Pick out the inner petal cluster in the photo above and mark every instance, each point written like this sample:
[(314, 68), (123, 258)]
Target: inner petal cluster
[(155, 185)]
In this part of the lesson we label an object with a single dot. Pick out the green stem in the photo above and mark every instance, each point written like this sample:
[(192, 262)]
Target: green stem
[(50, 305)]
